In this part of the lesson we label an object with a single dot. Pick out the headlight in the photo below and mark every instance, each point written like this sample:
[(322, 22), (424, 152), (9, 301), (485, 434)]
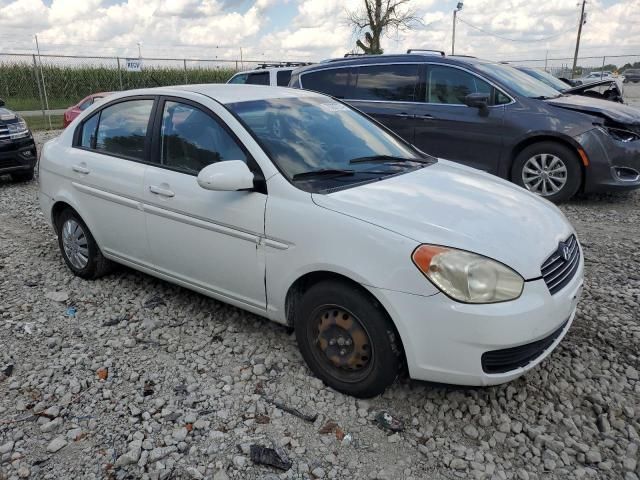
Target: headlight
[(620, 134), (467, 277), (18, 129)]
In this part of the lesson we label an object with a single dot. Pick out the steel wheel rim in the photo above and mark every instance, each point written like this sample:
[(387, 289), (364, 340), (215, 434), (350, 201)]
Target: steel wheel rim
[(341, 343), (74, 243), (544, 174)]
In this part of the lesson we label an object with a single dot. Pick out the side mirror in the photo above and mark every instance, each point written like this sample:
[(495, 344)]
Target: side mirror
[(227, 176), (2, 104), (479, 101)]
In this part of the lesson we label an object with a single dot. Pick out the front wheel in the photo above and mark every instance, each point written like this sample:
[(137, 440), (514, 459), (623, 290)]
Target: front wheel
[(26, 176), (347, 339), (548, 169)]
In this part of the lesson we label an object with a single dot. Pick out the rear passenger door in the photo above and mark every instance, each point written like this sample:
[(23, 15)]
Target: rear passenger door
[(446, 127), (107, 169), (387, 93)]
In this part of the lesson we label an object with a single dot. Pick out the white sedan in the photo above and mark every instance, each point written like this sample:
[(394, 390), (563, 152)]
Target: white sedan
[(298, 208)]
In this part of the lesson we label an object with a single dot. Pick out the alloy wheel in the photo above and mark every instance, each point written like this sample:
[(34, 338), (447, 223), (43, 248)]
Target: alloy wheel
[(544, 174)]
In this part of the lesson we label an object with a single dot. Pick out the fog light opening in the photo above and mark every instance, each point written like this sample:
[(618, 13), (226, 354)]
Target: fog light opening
[(626, 174)]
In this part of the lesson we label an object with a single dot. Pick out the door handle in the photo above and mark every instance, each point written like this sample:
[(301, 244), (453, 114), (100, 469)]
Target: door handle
[(80, 169), (426, 116), (403, 115), (164, 192)]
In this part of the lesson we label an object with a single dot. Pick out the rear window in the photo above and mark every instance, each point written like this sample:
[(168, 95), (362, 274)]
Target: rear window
[(386, 82), (283, 77), (332, 82)]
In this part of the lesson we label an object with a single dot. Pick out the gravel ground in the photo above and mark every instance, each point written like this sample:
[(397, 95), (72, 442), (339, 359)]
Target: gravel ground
[(149, 380)]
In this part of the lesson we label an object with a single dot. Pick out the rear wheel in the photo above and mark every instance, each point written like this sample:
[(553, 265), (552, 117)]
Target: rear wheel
[(25, 176), (78, 247), (346, 339), (548, 169)]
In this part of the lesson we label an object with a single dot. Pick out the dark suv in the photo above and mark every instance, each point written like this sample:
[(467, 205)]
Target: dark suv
[(17, 148), (490, 116), (632, 75)]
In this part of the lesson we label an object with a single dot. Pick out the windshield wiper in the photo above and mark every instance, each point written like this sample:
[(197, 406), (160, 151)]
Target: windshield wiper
[(386, 159), (324, 172)]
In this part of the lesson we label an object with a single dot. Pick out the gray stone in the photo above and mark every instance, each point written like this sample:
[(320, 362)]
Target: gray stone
[(56, 444)]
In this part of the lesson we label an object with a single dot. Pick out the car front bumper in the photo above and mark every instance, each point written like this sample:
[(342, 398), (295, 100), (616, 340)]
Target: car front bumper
[(444, 340), (17, 155), (613, 165)]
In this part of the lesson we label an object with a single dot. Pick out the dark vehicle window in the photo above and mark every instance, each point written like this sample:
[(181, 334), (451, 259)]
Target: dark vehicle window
[(332, 82), (86, 104), (450, 85), (546, 78), (240, 78), (192, 139), (123, 128), (283, 77), (386, 82), (261, 78), (88, 137), (304, 135)]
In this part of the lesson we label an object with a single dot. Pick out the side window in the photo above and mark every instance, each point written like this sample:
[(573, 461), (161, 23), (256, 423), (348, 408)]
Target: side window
[(88, 137), (240, 78), (283, 77), (261, 78), (332, 82), (191, 139), (123, 129), (387, 82), (450, 85)]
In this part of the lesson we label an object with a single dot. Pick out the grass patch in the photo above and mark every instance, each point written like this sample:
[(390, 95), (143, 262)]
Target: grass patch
[(42, 123)]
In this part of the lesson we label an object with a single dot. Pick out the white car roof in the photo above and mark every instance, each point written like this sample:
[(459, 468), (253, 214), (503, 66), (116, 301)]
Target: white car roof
[(226, 93), (268, 69)]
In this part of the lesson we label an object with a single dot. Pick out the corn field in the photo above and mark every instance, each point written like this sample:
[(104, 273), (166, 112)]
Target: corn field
[(29, 82)]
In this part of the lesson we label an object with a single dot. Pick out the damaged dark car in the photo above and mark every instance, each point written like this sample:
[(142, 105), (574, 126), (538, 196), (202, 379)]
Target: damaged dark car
[(493, 117), (604, 89), (17, 147)]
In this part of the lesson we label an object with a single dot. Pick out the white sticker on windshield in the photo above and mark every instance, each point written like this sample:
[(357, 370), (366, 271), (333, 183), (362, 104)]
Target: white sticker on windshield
[(334, 107)]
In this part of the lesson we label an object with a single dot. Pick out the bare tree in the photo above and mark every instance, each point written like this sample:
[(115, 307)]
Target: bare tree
[(377, 18)]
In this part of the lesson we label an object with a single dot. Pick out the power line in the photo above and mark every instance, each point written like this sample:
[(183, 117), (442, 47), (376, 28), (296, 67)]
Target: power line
[(528, 40)]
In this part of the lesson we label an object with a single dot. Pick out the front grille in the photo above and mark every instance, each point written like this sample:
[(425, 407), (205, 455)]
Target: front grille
[(562, 265), (507, 359)]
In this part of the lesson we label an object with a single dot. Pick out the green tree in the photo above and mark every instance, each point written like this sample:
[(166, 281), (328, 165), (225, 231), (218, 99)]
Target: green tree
[(378, 17)]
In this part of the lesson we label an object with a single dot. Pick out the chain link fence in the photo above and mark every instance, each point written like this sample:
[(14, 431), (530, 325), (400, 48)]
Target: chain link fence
[(46, 84)]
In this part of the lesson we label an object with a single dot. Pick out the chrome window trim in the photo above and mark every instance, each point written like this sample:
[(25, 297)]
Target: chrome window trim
[(500, 89)]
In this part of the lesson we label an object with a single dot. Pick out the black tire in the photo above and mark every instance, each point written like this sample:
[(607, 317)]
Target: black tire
[(565, 154), (97, 265), (383, 356), (22, 176)]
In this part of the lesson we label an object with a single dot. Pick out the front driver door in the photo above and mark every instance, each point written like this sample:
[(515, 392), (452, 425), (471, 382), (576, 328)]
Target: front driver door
[(445, 127), (206, 239)]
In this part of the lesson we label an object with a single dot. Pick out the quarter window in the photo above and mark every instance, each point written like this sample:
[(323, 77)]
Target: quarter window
[(450, 86), (331, 82), (192, 139), (123, 129), (387, 82), (240, 78), (88, 137)]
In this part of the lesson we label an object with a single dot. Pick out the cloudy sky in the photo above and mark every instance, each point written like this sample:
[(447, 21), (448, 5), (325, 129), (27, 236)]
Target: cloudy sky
[(311, 29)]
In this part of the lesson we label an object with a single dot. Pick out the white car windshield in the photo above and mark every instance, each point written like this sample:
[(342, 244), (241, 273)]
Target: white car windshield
[(322, 142)]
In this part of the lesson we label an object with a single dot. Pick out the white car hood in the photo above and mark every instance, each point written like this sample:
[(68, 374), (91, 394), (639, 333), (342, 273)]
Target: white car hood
[(456, 206)]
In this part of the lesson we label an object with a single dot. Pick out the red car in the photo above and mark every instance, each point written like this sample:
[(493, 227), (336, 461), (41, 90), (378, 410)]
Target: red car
[(75, 110)]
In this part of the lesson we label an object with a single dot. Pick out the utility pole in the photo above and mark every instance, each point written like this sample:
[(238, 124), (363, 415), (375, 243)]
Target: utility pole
[(139, 50), (453, 34), (575, 55)]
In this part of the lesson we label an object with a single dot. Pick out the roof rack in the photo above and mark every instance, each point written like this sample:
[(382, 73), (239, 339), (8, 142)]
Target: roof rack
[(282, 64), (411, 50), (463, 56), (346, 55)]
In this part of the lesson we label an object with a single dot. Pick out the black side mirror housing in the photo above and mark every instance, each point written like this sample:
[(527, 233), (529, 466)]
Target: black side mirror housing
[(479, 101)]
